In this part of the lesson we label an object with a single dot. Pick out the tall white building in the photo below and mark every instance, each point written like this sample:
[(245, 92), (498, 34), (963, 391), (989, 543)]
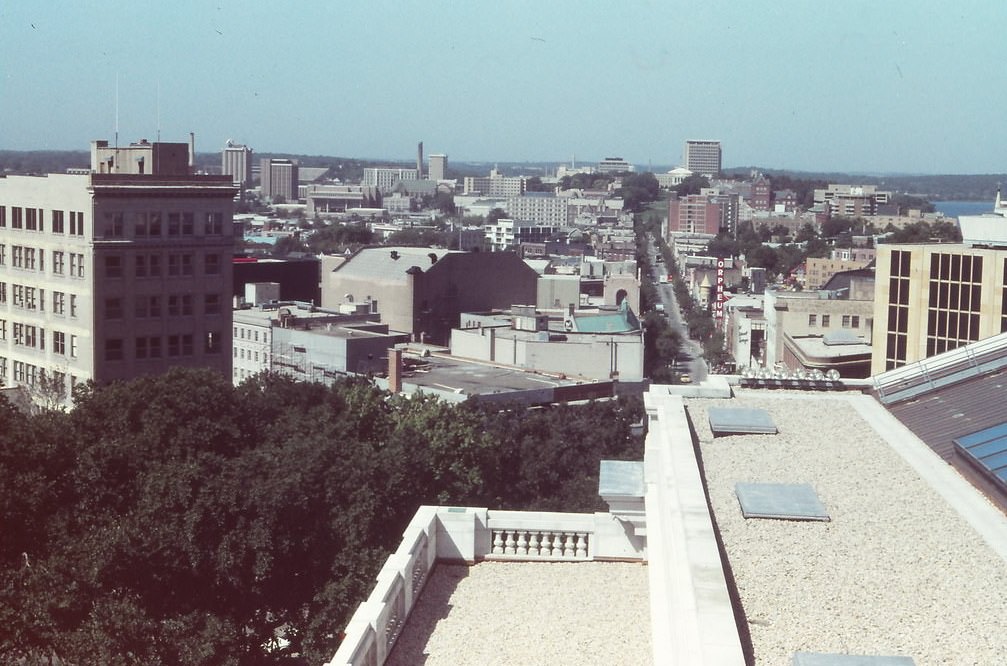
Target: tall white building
[(115, 272), (702, 157), (438, 167), (279, 179), (236, 162)]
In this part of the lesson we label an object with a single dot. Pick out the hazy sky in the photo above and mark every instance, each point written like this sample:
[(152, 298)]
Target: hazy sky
[(893, 86)]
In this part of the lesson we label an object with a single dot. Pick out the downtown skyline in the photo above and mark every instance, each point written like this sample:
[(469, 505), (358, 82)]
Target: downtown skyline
[(855, 87)]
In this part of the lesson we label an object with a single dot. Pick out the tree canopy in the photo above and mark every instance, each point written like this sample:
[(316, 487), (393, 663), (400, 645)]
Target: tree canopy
[(180, 520)]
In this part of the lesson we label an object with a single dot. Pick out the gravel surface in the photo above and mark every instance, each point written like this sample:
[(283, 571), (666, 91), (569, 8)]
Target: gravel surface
[(529, 613), (896, 571)]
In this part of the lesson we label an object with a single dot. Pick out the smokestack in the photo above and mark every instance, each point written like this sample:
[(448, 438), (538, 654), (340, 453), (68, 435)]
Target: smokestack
[(395, 370), (192, 150), (419, 160)]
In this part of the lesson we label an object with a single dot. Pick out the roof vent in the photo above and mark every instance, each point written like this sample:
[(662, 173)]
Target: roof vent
[(395, 254)]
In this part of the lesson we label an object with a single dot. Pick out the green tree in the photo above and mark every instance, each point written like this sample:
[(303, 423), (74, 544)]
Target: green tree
[(692, 185)]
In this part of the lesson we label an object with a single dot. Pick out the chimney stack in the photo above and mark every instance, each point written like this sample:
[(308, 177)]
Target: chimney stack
[(395, 370), (192, 151), (419, 160)]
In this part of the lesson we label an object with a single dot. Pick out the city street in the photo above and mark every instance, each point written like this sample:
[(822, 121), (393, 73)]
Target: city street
[(690, 348)]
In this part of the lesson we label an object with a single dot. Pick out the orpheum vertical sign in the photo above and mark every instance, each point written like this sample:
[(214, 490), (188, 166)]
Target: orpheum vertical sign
[(718, 307)]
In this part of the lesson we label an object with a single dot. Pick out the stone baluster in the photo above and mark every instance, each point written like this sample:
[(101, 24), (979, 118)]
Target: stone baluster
[(581, 545), (546, 549), (568, 545), (498, 543), (509, 543), (533, 543), (522, 543)]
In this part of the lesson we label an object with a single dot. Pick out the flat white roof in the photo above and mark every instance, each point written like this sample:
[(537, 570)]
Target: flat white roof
[(898, 571), (583, 613)]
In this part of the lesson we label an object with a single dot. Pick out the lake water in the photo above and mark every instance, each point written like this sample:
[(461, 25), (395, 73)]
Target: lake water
[(956, 208)]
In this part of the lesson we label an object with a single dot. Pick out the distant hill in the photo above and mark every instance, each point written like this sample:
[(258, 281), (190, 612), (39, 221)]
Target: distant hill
[(972, 187)]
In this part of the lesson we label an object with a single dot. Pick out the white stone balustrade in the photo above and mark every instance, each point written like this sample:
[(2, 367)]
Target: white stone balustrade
[(526, 535), (467, 534)]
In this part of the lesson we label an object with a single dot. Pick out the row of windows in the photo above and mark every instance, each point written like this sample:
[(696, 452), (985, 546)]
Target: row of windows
[(248, 355), (848, 321), (242, 333), (27, 373), (33, 219), (956, 267), (147, 347), (175, 305), (33, 298), (32, 259), (155, 224), (150, 265), (29, 335), (898, 310), (1003, 302)]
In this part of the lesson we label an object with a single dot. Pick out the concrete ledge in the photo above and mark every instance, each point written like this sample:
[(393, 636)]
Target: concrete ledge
[(692, 619), (714, 386)]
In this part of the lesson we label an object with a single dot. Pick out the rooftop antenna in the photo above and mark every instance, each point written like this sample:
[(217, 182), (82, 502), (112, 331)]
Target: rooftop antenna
[(117, 110), (157, 111)]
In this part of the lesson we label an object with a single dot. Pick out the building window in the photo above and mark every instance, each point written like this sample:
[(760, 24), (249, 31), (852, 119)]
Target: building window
[(140, 225), (58, 262), (898, 309), (214, 224), (113, 266), (211, 304), (3, 254), (826, 320), (174, 224), (73, 305), (155, 347), (76, 223), (58, 302), (57, 222), (140, 265), (174, 265), (187, 344), (174, 348), (154, 265), (188, 223), (113, 349), (59, 342), (141, 347), (855, 321), (812, 320), (73, 346), (1003, 302), (154, 221), (3, 216), (113, 308), (186, 264), (954, 301), (213, 345), (16, 217), (31, 219), (3, 329), (211, 264), (114, 226), (846, 321), (3, 293), (76, 265)]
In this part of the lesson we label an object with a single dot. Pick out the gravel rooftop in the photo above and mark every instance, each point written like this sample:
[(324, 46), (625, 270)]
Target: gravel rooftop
[(554, 613), (896, 572)]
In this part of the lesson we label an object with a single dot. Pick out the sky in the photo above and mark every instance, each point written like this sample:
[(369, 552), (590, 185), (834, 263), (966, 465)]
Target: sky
[(828, 85)]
